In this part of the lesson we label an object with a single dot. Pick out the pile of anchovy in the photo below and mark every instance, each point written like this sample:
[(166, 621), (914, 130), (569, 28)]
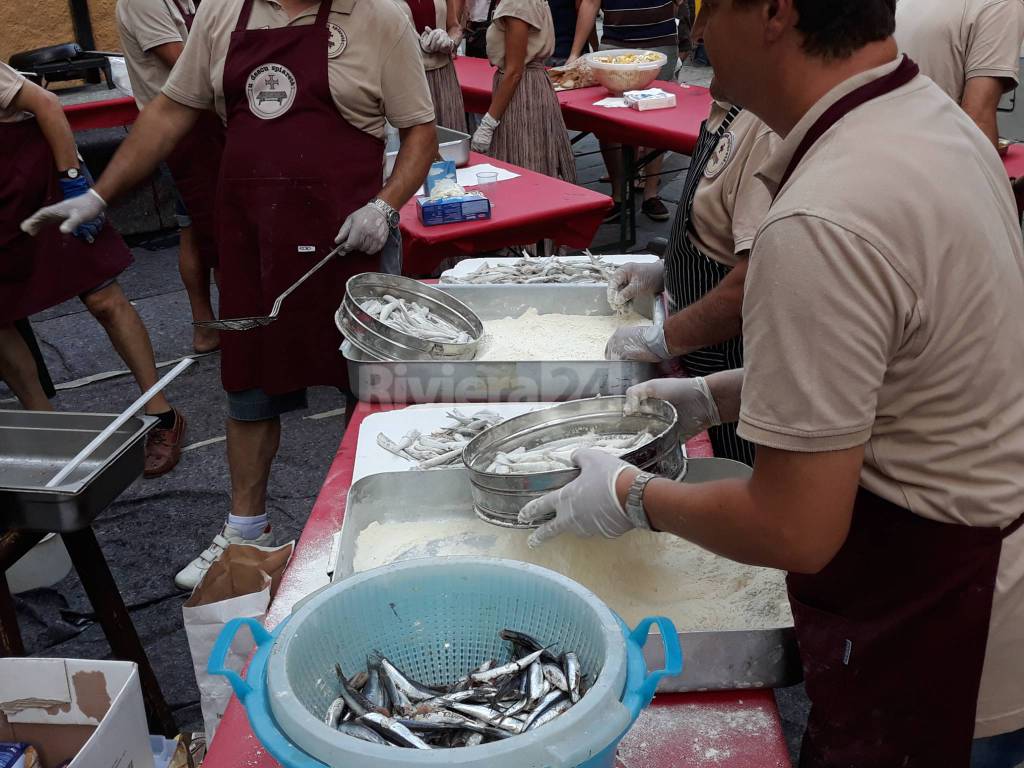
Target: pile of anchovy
[(535, 270), (443, 447), (414, 319), (493, 702), (556, 455)]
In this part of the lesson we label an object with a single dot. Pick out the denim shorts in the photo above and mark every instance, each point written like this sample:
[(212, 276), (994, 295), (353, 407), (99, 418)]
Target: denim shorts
[(257, 405), (1003, 751)]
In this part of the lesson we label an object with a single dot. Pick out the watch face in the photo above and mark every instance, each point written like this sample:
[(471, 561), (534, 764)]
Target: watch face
[(71, 173)]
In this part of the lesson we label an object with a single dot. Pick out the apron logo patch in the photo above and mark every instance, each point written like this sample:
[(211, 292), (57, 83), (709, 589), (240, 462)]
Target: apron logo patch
[(721, 156), (307, 249), (271, 90), (337, 40)]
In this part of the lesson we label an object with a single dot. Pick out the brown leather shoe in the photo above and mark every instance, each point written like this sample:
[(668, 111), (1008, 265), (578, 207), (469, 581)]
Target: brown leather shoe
[(163, 447)]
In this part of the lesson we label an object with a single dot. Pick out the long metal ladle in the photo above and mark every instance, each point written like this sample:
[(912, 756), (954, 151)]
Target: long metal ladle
[(248, 323)]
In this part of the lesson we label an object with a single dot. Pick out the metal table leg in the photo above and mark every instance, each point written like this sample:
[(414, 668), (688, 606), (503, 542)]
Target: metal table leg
[(627, 219), (117, 625), (14, 545)]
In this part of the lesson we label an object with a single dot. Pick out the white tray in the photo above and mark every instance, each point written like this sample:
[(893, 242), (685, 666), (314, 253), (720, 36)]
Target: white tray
[(371, 459), (466, 266)]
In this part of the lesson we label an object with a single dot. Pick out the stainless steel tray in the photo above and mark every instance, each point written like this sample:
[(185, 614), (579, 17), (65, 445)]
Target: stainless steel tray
[(35, 446), (467, 381), (453, 145), (722, 660)]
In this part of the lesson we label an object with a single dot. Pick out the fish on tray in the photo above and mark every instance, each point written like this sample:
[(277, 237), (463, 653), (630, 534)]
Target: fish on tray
[(492, 702)]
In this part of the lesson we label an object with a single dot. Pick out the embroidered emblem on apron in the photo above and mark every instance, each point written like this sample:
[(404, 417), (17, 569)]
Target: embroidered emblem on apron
[(271, 90), (721, 156), (337, 40)]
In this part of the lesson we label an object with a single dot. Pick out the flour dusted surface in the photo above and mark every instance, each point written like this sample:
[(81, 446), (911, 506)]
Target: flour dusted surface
[(639, 575), (533, 336)]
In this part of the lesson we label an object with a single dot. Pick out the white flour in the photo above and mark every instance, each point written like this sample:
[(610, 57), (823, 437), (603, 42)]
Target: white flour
[(532, 336), (639, 575)]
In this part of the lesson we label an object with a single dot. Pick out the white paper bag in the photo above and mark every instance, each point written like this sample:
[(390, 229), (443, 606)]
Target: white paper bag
[(240, 584)]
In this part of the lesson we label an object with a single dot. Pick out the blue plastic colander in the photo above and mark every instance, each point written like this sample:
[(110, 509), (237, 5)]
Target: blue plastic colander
[(436, 618)]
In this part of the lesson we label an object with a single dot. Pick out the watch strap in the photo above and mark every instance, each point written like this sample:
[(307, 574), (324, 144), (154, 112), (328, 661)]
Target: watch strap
[(390, 213), (635, 501)]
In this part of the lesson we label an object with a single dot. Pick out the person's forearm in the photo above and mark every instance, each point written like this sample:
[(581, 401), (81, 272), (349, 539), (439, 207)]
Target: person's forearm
[(716, 317), (980, 101), (417, 152), (160, 127), (989, 125), (727, 388), (54, 125), (453, 20), (506, 90), (586, 18)]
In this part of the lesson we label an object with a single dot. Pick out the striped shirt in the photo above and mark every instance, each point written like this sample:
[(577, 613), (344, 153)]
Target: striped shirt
[(639, 23)]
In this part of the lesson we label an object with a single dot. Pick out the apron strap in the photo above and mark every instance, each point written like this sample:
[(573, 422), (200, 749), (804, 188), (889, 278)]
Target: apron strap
[(243, 16), (1012, 528), (903, 74), (323, 15), (423, 14)]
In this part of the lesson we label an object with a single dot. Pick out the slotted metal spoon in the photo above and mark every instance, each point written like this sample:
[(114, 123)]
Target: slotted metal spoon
[(248, 323)]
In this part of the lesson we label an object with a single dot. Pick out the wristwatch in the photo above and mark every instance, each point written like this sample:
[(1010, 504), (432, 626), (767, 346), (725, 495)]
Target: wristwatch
[(70, 173), (635, 501), (390, 214)]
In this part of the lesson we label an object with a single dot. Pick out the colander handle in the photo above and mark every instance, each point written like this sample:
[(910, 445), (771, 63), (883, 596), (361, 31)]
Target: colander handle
[(217, 665), (636, 700)]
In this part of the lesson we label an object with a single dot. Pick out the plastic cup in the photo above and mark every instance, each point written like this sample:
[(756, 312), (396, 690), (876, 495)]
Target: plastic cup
[(486, 179)]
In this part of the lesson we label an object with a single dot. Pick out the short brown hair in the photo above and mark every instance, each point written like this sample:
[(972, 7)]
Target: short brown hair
[(834, 29)]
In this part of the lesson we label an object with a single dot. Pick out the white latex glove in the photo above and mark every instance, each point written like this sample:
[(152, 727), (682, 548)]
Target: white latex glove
[(436, 41), (644, 343), (635, 281), (485, 134), (70, 214), (365, 231), (588, 506), (692, 398)]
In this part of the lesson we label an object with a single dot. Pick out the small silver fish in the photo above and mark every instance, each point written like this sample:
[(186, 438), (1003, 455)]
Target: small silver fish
[(489, 716), (536, 682), (506, 669), (573, 675), (413, 690), (334, 712), (556, 677), (549, 714), (392, 730), (545, 703), (357, 731)]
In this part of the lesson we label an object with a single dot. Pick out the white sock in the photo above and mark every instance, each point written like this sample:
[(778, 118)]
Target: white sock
[(249, 527)]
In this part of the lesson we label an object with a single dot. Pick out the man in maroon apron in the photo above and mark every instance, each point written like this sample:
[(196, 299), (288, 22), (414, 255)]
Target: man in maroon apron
[(304, 91), (41, 166), (153, 35), (883, 347)]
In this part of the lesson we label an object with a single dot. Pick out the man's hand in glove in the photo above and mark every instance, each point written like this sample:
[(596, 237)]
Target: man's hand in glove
[(637, 281), (436, 41), (484, 134), (644, 343), (692, 398), (365, 231), (80, 213), (588, 506)]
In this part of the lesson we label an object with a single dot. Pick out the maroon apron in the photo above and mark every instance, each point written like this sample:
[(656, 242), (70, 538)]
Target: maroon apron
[(39, 272), (293, 170), (424, 14), (893, 631), (195, 166)]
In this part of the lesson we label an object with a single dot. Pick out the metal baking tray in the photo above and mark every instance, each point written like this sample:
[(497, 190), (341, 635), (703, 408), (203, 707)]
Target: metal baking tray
[(35, 446), (468, 381), (453, 145), (719, 660)]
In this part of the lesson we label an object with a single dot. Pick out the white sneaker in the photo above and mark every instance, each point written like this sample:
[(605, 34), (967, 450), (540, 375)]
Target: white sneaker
[(189, 576)]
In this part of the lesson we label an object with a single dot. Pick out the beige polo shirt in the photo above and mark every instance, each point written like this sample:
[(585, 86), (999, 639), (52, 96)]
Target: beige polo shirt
[(10, 86), (884, 307), (144, 25), (540, 43), (955, 40), (731, 202), (373, 60), (432, 61)]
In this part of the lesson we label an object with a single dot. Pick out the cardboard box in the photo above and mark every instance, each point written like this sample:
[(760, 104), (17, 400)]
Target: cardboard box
[(450, 210), (91, 711), (653, 98)]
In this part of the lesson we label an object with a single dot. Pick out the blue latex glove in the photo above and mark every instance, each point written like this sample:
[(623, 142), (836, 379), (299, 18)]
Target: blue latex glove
[(72, 188)]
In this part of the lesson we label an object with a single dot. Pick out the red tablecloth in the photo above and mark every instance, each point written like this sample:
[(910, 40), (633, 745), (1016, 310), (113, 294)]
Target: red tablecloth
[(525, 210), (670, 129), (109, 113), (1014, 161), (732, 729)]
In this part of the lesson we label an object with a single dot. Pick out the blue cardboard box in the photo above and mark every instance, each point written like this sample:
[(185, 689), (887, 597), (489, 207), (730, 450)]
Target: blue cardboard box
[(451, 210)]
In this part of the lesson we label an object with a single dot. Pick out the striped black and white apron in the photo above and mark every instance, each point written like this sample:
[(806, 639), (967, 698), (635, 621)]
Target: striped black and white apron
[(690, 275)]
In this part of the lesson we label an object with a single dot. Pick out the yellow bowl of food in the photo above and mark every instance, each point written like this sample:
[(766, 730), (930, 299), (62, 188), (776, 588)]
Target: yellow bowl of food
[(626, 69)]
